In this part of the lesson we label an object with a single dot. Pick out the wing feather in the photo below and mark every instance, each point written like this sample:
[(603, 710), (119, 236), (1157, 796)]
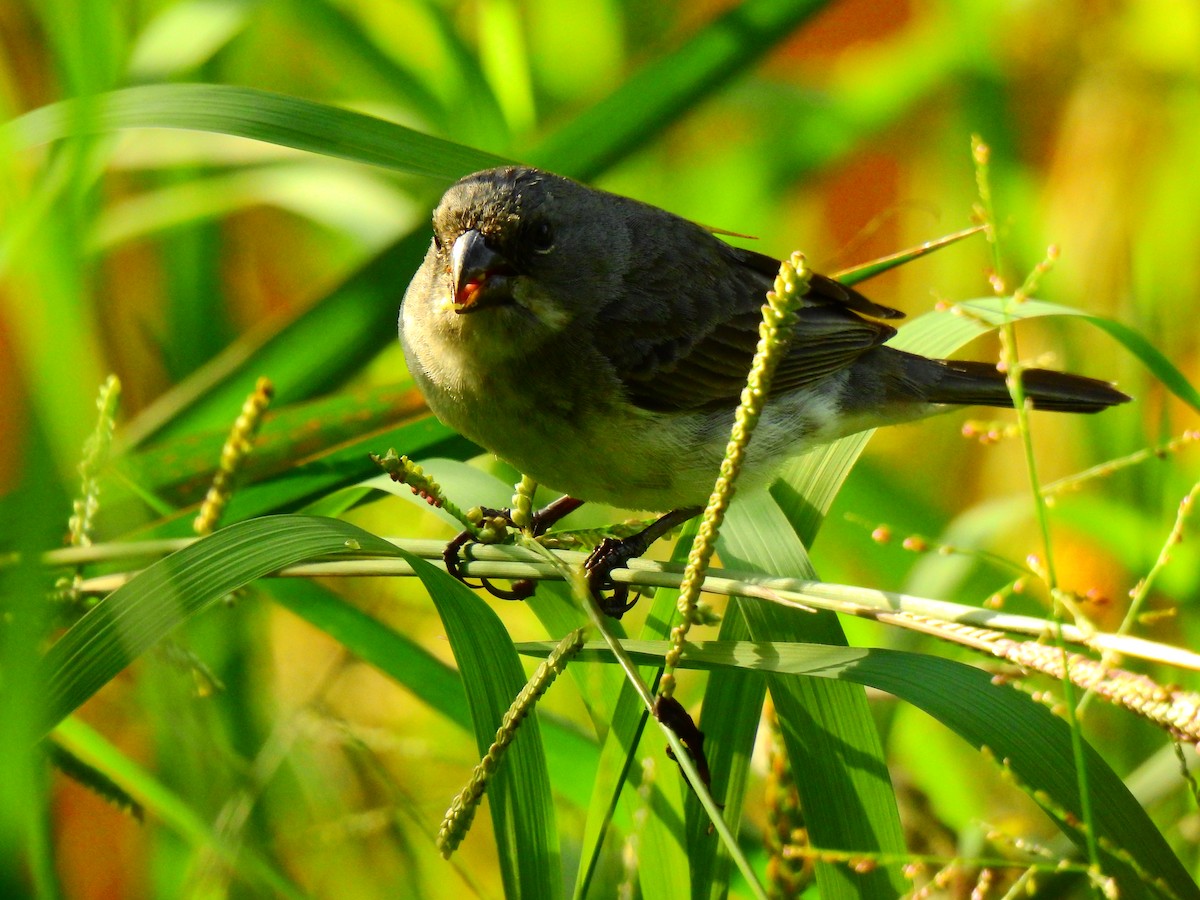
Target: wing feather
[(830, 334)]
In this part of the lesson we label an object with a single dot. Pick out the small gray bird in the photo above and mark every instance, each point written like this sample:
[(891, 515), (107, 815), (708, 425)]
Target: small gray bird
[(600, 344)]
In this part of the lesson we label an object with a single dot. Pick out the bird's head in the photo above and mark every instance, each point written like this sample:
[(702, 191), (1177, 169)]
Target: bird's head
[(527, 245)]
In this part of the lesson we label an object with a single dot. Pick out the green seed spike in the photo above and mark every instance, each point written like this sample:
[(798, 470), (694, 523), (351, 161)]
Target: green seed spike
[(95, 454), (404, 471), (94, 780), (83, 510), (237, 447), (522, 502), (778, 314), (460, 815)]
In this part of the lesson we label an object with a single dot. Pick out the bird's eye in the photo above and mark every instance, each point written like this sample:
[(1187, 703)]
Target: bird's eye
[(542, 237), (437, 242)]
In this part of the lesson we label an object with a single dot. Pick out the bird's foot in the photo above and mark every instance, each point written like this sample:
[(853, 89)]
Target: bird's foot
[(522, 589), (615, 553), (612, 553), (540, 521)]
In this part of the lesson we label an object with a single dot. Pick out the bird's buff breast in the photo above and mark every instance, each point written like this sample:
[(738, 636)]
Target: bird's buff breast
[(554, 418), (564, 430)]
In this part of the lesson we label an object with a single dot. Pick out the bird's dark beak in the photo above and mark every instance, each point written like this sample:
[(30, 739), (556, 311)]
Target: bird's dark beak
[(481, 275)]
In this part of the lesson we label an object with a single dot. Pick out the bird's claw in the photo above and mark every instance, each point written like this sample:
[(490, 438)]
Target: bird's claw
[(522, 589), (540, 521), (450, 556), (612, 553)]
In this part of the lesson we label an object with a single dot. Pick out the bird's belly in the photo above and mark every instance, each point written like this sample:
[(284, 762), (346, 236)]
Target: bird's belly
[(626, 458), (619, 455), (592, 444)]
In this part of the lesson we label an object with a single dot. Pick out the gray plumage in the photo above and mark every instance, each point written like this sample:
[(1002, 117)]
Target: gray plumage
[(600, 345)]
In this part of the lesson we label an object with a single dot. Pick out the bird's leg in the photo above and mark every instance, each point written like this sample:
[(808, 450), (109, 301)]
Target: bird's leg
[(551, 513), (613, 553), (540, 521)]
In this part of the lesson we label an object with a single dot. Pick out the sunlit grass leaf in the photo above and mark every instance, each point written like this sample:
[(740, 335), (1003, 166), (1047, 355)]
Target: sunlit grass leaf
[(992, 311), (185, 35), (1024, 736), (833, 746), (569, 754), (134, 617), (354, 201), (669, 86), (261, 116), (519, 791)]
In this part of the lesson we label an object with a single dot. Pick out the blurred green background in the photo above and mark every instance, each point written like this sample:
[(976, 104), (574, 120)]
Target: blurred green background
[(189, 263)]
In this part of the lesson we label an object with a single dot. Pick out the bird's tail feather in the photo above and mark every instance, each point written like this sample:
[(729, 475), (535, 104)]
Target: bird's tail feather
[(978, 383)]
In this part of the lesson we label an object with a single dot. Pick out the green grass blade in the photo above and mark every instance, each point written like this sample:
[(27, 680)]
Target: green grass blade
[(833, 746), (733, 702), (1033, 743), (134, 617), (859, 274), (131, 619), (302, 451), (616, 712), (391, 652), (519, 791), (662, 862), (344, 38), (474, 101), (810, 482), (27, 853), (568, 752), (669, 86), (261, 116), (317, 350), (345, 465)]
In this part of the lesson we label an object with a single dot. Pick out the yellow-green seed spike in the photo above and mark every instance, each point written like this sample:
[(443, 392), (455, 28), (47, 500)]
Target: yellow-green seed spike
[(84, 508), (457, 821), (774, 335), (404, 471), (95, 454), (522, 502), (237, 447)]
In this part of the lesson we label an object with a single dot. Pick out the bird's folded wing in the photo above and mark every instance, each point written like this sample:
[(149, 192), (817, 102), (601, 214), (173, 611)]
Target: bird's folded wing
[(711, 374)]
